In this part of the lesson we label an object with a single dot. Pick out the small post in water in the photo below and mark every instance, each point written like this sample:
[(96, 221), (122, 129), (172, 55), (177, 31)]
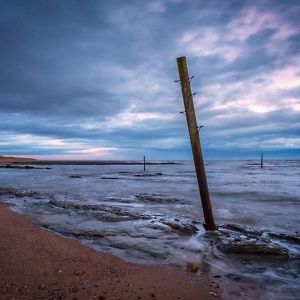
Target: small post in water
[(261, 160), (144, 163), (195, 143)]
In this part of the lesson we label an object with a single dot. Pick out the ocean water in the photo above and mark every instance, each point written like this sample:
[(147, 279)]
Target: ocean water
[(156, 216)]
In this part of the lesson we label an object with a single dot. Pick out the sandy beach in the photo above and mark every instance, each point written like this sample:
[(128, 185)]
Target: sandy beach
[(38, 264)]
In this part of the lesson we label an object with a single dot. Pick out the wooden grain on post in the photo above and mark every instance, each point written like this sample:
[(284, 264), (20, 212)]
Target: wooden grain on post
[(195, 143)]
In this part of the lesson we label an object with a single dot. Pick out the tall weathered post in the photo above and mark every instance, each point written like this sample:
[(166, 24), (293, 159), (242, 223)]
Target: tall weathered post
[(144, 163), (195, 143), (262, 160)]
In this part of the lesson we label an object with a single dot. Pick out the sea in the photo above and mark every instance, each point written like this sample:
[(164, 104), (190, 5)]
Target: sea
[(155, 216)]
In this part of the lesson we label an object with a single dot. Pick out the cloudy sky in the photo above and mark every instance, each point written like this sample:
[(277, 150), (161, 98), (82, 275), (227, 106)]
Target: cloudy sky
[(95, 79)]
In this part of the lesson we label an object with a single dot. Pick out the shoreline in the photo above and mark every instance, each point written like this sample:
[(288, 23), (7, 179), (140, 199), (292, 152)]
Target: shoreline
[(39, 264), (15, 161)]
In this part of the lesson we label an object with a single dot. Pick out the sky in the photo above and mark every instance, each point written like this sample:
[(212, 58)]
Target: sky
[(95, 79)]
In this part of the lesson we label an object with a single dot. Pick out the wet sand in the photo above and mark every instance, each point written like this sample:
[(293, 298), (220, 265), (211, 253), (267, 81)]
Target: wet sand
[(38, 264)]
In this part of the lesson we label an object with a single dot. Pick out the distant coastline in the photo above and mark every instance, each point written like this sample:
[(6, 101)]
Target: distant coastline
[(8, 160)]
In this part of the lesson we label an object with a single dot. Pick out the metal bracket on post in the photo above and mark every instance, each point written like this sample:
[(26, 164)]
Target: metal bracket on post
[(199, 127)]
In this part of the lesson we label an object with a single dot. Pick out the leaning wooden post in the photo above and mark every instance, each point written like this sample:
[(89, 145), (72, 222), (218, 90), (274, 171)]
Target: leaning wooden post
[(195, 143), (144, 163)]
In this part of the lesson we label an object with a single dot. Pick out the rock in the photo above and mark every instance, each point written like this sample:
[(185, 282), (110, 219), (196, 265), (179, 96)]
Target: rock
[(237, 278), (75, 176), (20, 194), (154, 198), (292, 238), (192, 267), (183, 228), (148, 174), (79, 273), (240, 229), (21, 167), (253, 247), (104, 212), (195, 222)]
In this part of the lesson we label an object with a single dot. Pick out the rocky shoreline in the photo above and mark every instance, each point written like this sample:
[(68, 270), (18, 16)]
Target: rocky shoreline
[(37, 264)]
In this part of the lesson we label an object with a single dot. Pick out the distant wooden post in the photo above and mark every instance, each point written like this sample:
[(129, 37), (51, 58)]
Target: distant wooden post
[(144, 163), (261, 160), (195, 143)]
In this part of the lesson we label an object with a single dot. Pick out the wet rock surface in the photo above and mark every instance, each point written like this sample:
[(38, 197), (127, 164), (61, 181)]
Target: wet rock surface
[(20, 194), (182, 228), (104, 211), (82, 234), (236, 239), (22, 167), (116, 214), (229, 239), (253, 247), (295, 238), (247, 231), (148, 174), (156, 198)]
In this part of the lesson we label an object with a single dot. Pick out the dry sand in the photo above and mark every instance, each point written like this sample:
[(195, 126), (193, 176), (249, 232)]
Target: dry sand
[(39, 264)]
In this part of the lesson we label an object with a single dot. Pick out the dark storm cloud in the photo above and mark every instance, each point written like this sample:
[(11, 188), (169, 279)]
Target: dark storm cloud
[(47, 55), (90, 74)]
